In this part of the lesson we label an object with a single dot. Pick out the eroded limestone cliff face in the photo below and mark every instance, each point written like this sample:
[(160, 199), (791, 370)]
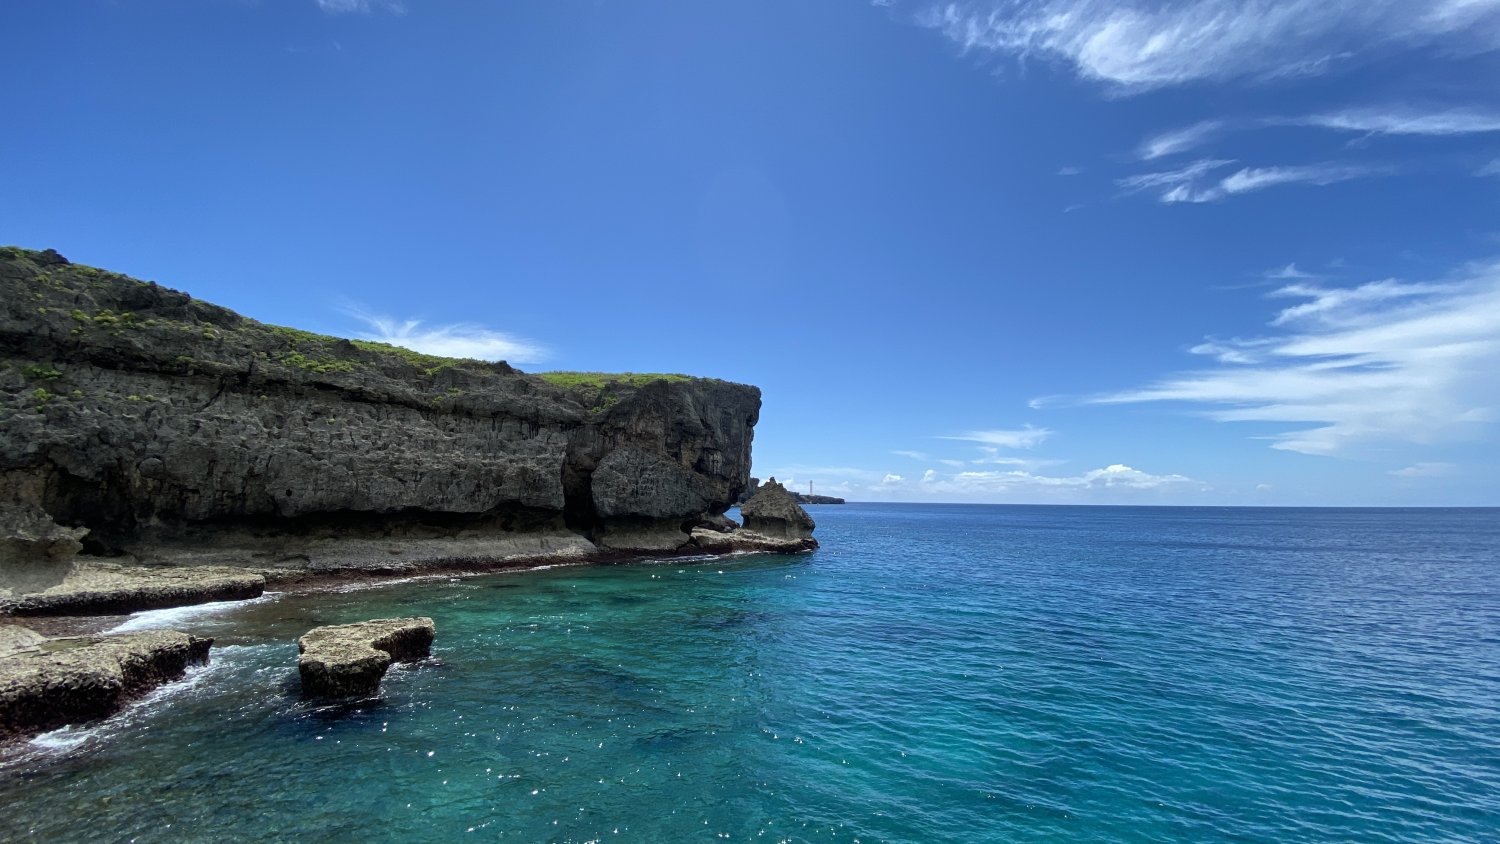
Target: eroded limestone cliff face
[(176, 431)]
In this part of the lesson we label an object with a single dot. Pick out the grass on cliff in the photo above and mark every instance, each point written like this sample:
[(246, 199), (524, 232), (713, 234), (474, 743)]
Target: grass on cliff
[(599, 380), (294, 348)]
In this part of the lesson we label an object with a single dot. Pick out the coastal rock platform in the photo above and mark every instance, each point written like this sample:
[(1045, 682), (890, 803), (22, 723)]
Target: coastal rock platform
[(104, 588), (348, 660), (48, 683)]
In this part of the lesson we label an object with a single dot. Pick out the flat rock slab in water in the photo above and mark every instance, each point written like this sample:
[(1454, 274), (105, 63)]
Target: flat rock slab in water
[(46, 684), (347, 660), (103, 588)]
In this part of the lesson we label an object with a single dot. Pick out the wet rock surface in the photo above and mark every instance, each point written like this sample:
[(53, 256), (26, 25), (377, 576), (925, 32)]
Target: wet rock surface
[(349, 660), (48, 683)]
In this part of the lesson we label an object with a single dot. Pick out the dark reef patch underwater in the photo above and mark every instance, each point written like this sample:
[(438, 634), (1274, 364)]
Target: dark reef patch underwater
[(934, 673)]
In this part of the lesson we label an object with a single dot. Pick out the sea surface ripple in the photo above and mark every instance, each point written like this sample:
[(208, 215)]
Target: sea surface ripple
[(935, 673)]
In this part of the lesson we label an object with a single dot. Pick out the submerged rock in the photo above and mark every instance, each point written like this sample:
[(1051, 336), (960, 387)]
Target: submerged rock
[(348, 660), (45, 684), (774, 513)]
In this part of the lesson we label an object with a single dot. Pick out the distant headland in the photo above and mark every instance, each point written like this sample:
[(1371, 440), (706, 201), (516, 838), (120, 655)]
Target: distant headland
[(800, 498)]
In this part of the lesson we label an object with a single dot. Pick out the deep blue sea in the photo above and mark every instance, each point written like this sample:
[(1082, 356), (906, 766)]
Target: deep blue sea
[(933, 674)]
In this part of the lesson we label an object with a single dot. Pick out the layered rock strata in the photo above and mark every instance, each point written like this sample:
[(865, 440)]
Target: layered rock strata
[(349, 660), (45, 684)]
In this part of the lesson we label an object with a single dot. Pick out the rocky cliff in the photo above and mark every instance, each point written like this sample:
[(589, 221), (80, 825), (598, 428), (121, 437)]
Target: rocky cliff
[(139, 423)]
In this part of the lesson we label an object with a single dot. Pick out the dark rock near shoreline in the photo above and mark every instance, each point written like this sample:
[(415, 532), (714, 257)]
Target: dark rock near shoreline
[(349, 660), (47, 684), (773, 512), (717, 522), (152, 428)]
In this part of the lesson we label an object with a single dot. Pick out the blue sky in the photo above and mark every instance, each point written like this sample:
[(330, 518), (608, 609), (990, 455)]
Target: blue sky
[(1005, 250)]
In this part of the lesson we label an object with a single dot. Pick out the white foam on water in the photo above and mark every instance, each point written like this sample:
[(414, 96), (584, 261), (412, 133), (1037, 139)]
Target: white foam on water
[(73, 736), (171, 616)]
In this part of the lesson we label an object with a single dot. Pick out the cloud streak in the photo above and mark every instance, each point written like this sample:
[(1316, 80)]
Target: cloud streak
[(1139, 45), (457, 340), (1384, 362), (1180, 140), (1404, 120), (341, 7), (1191, 183), (1027, 437)]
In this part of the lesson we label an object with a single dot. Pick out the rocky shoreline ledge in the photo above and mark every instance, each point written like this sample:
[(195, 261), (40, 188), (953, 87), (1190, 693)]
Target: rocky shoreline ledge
[(48, 683)]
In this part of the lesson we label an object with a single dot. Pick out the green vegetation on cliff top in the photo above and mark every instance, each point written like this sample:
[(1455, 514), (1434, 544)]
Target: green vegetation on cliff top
[(596, 380), (305, 350)]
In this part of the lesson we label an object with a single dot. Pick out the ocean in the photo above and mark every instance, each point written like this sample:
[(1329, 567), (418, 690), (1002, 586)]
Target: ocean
[(936, 673)]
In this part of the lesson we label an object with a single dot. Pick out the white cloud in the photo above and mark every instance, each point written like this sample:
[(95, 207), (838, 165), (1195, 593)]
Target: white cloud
[(1491, 169), (1116, 482), (1424, 470), (915, 455), (1026, 437), (1171, 179), (458, 340), (973, 484), (1383, 362), (339, 7), (1404, 120), (1187, 184), (1137, 45), (1179, 140), (1069, 171), (1287, 273)]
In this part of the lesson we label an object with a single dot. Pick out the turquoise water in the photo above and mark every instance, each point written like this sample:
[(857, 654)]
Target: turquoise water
[(935, 673)]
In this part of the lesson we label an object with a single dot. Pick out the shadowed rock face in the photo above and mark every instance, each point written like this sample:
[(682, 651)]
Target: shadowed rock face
[(45, 684), (137, 420), (349, 660), (773, 512)]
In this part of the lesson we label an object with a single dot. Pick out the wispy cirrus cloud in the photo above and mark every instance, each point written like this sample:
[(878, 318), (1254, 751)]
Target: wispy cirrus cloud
[(1394, 119), (455, 340), (338, 7), (1169, 180), (1424, 470), (1026, 437), (1139, 45), (1383, 362), (1180, 140), (1403, 120), (1287, 273), (1192, 183)]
